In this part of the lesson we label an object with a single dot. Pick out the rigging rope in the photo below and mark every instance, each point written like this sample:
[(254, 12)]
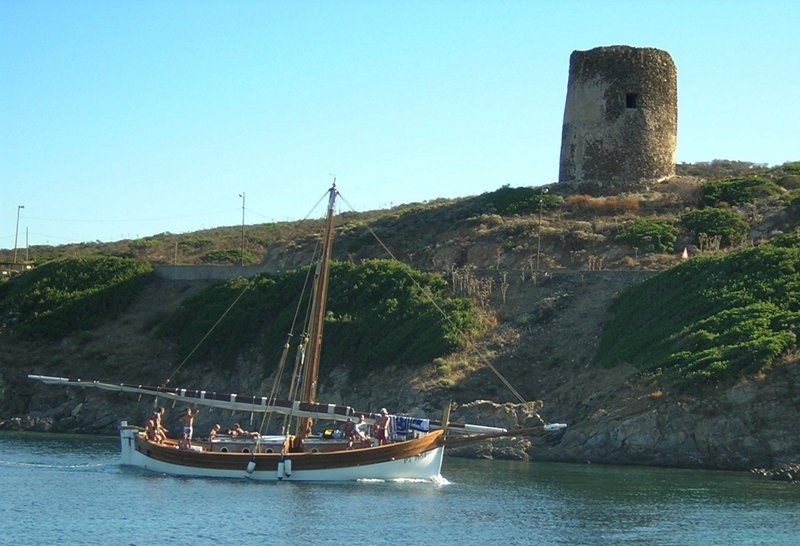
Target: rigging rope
[(214, 326), (282, 365), (245, 289), (428, 293)]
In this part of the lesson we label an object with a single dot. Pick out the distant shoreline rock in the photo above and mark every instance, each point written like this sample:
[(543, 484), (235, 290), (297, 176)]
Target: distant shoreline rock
[(785, 473)]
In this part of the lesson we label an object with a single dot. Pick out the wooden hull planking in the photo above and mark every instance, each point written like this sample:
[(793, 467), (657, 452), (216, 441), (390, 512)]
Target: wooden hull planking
[(420, 458)]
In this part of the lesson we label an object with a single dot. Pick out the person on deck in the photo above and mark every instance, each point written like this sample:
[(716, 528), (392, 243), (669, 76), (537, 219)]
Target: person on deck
[(184, 443), (361, 429), (158, 419), (150, 430), (214, 431), (238, 432), (381, 426), (349, 432), (188, 422)]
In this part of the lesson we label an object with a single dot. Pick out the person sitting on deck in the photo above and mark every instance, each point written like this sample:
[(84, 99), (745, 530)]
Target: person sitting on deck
[(349, 432), (150, 430), (214, 431), (158, 417), (184, 443), (153, 433), (360, 435), (238, 432)]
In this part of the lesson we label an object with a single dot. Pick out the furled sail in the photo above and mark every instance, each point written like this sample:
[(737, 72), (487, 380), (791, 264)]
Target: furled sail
[(231, 401), (256, 404)]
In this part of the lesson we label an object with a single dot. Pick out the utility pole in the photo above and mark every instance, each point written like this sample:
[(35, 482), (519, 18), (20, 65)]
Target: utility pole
[(242, 196), (16, 232)]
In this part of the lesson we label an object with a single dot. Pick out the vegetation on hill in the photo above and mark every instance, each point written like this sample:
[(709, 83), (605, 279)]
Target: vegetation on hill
[(69, 295), (378, 312), (711, 318), (726, 225), (738, 190), (649, 235)]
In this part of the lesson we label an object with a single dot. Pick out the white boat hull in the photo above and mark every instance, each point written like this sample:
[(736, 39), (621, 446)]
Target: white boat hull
[(425, 466)]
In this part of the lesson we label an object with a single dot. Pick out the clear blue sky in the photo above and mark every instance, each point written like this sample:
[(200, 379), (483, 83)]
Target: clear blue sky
[(127, 119)]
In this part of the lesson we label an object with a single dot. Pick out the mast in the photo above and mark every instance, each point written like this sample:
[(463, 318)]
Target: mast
[(318, 304)]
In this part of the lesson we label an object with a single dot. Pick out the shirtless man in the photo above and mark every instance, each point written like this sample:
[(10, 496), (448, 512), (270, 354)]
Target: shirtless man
[(188, 421), (214, 431), (158, 418)]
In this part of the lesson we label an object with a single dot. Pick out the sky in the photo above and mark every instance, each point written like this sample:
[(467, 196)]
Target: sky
[(121, 120)]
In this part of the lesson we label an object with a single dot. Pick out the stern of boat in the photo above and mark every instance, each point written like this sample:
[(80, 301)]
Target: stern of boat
[(127, 442)]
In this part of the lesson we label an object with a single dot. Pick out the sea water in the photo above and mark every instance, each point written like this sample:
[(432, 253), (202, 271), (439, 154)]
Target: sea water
[(66, 489)]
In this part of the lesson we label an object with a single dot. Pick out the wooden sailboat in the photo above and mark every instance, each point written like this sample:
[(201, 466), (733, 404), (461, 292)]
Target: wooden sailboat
[(415, 454)]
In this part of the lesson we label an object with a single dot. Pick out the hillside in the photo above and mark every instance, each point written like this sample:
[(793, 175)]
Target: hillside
[(548, 323)]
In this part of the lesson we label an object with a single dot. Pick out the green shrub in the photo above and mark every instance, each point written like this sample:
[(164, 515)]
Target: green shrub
[(711, 318), (196, 242), (506, 201), (792, 200), (377, 314), (727, 224), (227, 257), (649, 235), (790, 181), (72, 294), (143, 244), (738, 191)]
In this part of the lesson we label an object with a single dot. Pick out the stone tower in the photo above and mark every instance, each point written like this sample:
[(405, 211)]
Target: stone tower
[(620, 119)]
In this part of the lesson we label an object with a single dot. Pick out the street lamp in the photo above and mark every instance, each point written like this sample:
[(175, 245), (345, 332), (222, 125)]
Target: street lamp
[(16, 232), (539, 230), (242, 196)]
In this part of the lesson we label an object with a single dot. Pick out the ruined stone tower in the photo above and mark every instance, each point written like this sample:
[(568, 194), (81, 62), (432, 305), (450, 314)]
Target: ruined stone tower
[(620, 119)]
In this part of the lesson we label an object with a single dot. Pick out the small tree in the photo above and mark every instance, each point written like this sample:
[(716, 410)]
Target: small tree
[(649, 235), (727, 224)]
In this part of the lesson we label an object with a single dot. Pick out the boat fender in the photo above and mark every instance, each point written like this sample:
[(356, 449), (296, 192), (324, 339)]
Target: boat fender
[(251, 466), (554, 426), (281, 470), (287, 467)]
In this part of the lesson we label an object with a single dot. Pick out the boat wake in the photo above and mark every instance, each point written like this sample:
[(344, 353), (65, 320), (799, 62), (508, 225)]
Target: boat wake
[(438, 480), (19, 464)]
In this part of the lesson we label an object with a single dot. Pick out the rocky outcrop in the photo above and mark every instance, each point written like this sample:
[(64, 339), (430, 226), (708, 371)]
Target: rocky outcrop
[(784, 473), (755, 423)]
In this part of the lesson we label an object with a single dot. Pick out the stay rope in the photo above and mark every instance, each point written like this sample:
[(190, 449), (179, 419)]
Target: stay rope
[(428, 293), (213, 327)]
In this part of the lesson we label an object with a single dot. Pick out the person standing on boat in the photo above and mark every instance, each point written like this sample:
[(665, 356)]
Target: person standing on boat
[(188, 422), (381, 424)]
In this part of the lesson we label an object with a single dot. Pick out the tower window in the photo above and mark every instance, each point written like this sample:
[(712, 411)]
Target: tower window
[(632, 100)]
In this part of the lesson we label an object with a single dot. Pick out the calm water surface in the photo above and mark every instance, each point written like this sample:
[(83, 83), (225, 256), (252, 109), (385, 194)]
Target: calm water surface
[(62, 489)]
